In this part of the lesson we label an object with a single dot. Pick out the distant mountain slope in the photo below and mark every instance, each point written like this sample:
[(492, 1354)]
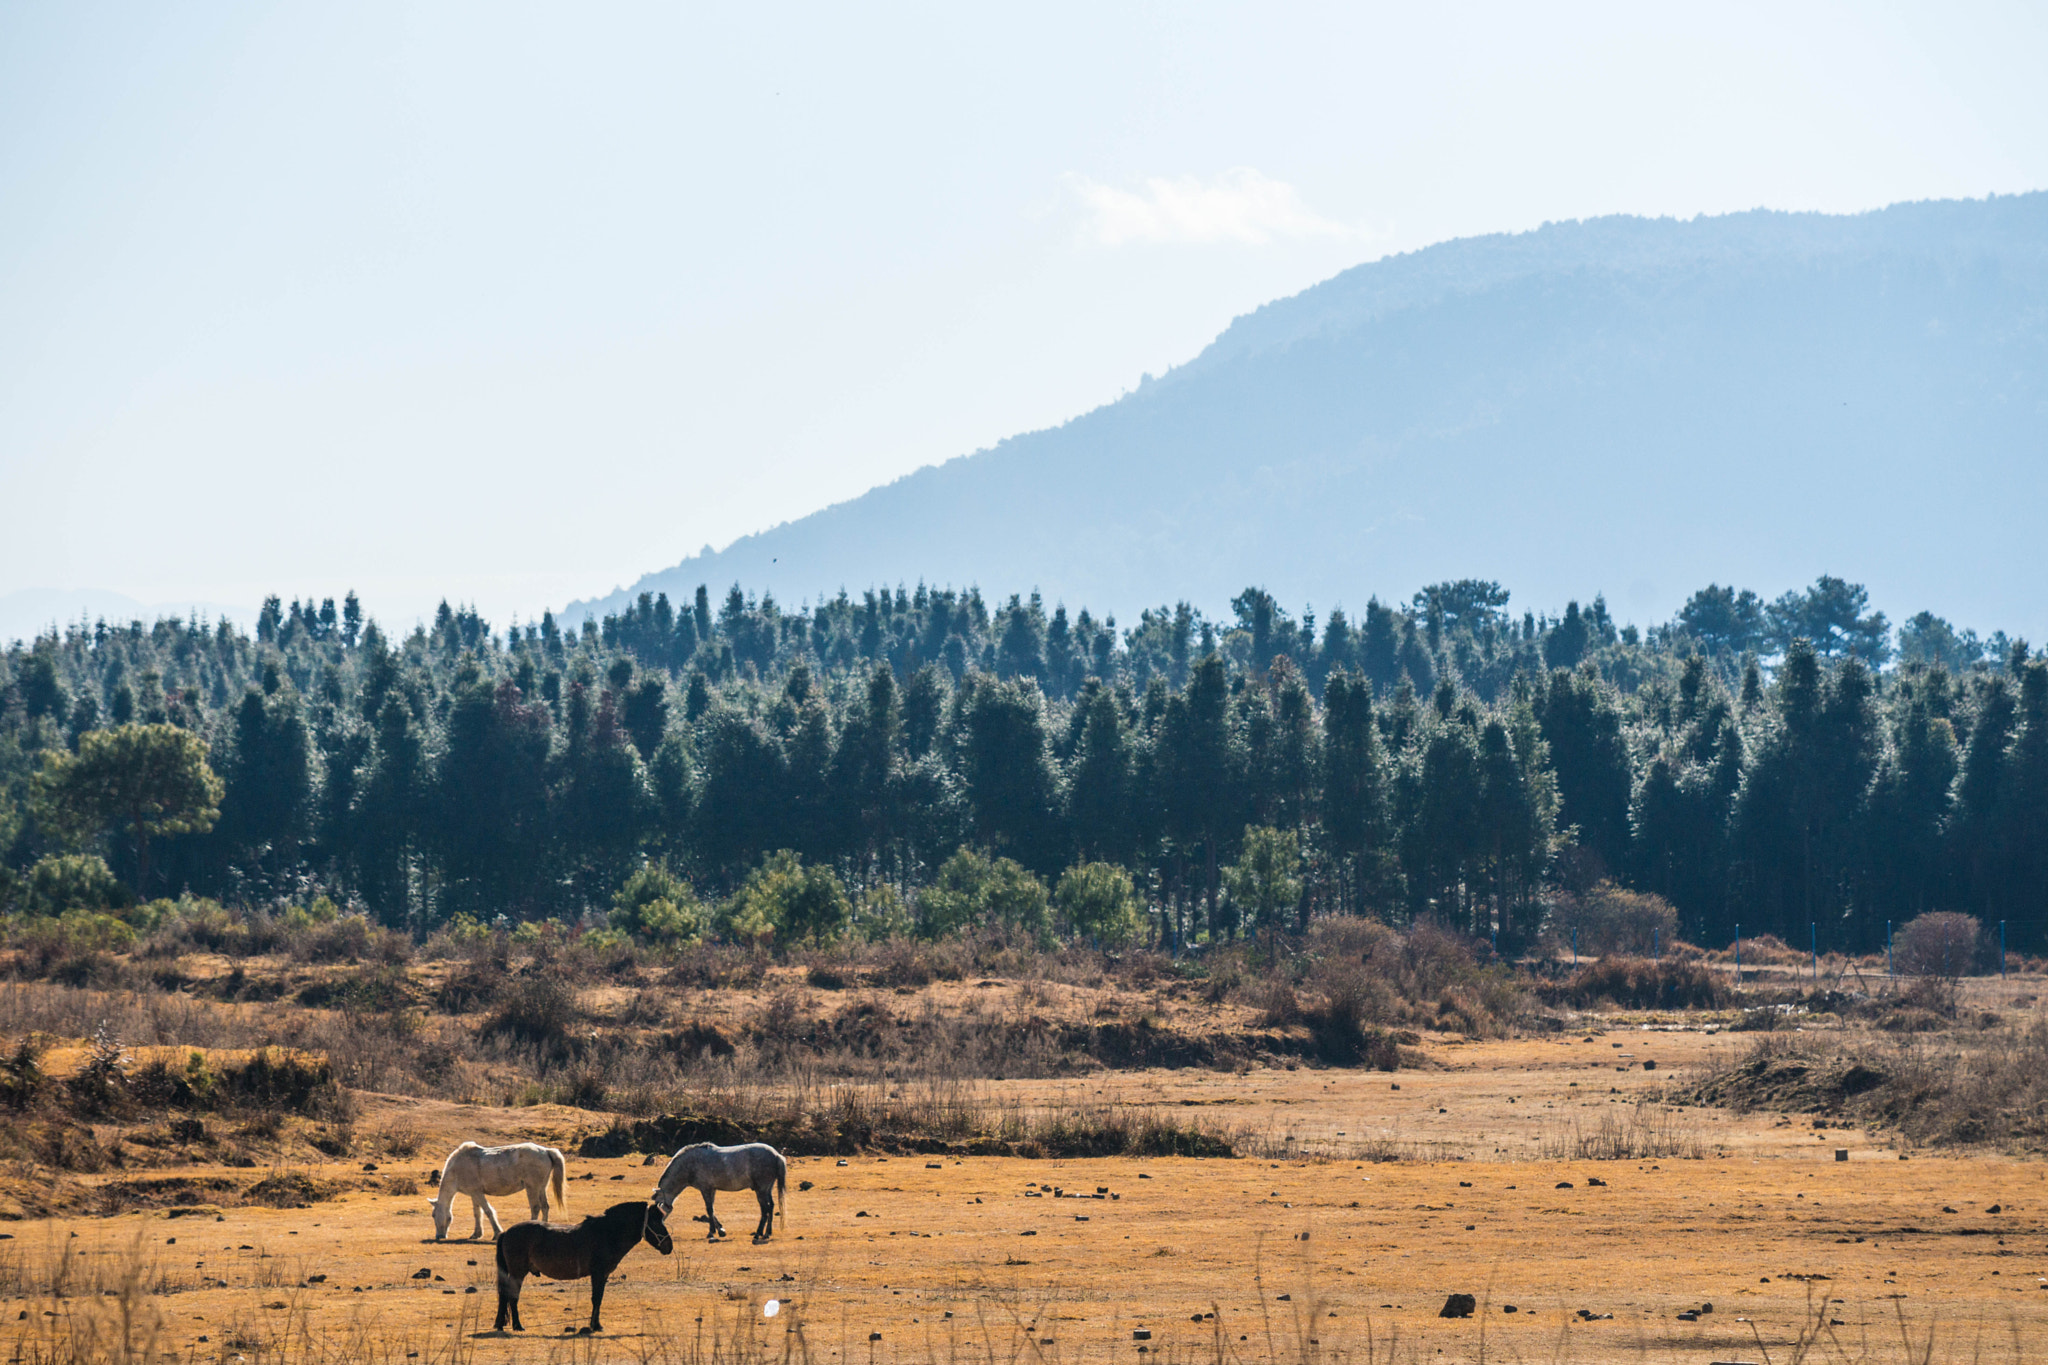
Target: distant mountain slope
[(1629, 405)]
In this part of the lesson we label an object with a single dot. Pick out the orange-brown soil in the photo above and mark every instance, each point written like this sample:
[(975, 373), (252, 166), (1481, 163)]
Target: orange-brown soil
[(1763, 1223)]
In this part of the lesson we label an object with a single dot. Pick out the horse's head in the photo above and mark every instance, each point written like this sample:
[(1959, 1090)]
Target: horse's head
[(655, 1230)]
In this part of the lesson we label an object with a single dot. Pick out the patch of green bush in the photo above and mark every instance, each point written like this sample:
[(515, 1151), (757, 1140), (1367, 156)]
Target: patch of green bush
[(786, 902), (66, 882), (656, 905)]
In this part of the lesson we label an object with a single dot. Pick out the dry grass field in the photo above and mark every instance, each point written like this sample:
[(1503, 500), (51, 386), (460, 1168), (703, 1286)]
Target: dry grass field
[(228, 1156), (1470, 1174)]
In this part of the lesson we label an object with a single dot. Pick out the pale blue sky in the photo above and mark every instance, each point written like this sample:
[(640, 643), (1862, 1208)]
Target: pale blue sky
[(513, 302)]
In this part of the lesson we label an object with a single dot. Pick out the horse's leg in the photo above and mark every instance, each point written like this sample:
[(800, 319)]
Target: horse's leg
[(497, 1228), (537, 1201), (717, 1228), (766, 1227), (597, 1279), (508, 1301)]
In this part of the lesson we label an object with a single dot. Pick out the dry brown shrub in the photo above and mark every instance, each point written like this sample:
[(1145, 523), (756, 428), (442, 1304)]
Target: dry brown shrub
[(1640, 983), (1610, 919), (1939, 944), (1954, 1089), (1761, 950), (400, 1138)]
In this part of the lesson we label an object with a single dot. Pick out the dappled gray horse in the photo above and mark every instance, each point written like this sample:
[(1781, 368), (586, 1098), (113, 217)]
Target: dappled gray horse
[(702, 1167)]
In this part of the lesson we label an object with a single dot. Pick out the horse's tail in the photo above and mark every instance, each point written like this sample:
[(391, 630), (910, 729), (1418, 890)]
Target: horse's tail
[(561, 1174), (782, 1188), (507, 1282)]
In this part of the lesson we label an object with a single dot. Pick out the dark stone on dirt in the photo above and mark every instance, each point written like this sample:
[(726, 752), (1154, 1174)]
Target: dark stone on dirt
[(804, 1185), (1458, 1306), (1564, 1184), (423, 1273)]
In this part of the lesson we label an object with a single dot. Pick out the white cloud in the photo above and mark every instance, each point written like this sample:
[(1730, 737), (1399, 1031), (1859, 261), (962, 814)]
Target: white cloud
[(1239, 205)]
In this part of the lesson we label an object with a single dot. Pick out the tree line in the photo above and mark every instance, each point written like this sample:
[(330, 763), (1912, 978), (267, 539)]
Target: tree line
[(920, 758)]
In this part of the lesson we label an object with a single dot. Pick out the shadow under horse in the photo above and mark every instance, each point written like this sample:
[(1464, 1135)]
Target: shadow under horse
[(592, 1249)]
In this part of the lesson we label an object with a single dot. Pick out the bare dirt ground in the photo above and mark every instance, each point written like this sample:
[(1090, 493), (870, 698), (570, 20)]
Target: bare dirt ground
[(1327, 1254)]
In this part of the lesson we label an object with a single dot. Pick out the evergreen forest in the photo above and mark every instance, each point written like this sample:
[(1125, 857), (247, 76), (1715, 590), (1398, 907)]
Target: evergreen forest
[(920, 760)]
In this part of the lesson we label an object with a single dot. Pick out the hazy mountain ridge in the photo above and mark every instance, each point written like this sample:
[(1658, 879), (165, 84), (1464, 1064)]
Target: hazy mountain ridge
[(1639, 406)]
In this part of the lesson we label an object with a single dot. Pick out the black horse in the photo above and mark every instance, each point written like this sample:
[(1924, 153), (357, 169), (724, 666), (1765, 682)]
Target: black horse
[(592, 1248)]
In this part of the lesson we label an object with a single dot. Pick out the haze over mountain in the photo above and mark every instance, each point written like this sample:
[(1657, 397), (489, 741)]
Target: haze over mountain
[(1623, 405)]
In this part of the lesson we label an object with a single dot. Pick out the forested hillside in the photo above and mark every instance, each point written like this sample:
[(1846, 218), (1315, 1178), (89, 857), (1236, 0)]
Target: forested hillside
[(1626, 404), (910, 761)]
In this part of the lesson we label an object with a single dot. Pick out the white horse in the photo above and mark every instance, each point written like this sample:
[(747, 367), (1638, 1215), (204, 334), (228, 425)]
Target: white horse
[(479, 1171), (752, 1166)]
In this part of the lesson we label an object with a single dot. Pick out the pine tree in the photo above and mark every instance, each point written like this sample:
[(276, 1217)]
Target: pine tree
[(1581, 722), (1804, 794), (1099, 778), (1011, 785), (1355, 796), (267, 811), (491, 826), (150, 781), (1910, 802), (644, 713), (388, 842)]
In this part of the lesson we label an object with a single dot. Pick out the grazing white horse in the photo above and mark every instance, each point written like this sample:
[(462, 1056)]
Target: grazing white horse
[(752, 1166), (479, 1171)]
